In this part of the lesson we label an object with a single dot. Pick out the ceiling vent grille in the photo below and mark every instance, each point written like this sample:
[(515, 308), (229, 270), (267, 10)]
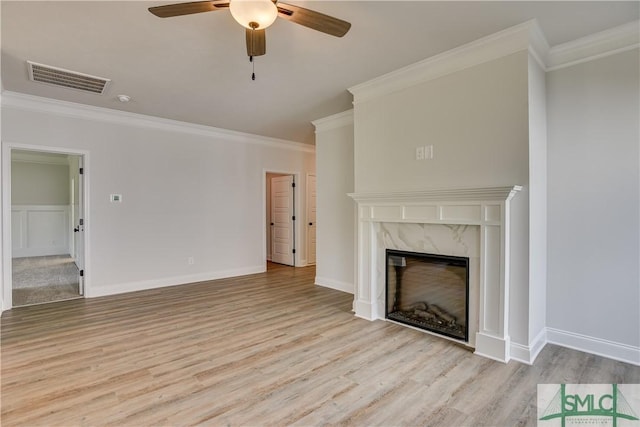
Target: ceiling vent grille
[(66, 78)]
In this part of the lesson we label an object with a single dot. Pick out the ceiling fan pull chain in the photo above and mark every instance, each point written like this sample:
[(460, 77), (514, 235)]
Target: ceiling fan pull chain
[(253, 26)]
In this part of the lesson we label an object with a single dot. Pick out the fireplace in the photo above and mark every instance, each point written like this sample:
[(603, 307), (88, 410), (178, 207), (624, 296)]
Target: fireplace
[(428, 291), (465, 222)]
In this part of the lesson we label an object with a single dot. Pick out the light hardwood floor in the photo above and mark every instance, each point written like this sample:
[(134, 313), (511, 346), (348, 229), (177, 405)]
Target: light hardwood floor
[(266, 349)]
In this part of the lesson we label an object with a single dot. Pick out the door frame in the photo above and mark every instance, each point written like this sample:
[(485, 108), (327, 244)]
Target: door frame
[(296, 211), (7, 250), (308, 210)]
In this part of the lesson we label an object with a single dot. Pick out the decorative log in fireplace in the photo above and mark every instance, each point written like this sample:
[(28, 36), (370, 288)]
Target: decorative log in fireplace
[(428, 291)]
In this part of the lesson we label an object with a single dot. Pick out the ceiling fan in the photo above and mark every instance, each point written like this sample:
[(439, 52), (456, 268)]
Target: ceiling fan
[(256, 15)]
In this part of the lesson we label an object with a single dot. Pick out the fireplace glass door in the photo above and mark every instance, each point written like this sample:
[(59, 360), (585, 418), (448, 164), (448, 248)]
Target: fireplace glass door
[(429, 292)]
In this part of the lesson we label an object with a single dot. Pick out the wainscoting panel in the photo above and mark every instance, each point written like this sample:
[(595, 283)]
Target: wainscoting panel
[(39, 230)]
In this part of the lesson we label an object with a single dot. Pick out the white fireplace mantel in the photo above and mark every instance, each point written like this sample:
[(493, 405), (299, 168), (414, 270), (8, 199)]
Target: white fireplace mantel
[(486, 208)]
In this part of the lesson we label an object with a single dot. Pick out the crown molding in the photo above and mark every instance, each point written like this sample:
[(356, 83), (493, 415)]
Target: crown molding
[(87, 112), (334, 121), (538, 45), (526, 36), (615, 40), (494, 46)]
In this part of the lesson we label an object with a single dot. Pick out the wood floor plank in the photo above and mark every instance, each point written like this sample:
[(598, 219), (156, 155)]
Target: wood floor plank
[(265, 349)]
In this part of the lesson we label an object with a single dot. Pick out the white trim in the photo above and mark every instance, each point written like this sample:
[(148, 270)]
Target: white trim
[(492, 347), (39, 158), (363, 309), (528, 354), (594, 46), (525, 36), (485, 49), (88, 112), (609, 349), (338, 285), (100, 291), (439, 194), (334, 121), (307, 219), (7, 269), (538, 45), (593, 58)]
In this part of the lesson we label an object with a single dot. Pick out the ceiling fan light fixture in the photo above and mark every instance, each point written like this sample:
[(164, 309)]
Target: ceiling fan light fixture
[(248, 13)]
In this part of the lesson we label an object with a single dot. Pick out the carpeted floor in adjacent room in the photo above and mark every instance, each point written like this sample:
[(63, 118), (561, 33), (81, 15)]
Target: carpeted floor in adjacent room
[(38, 280)]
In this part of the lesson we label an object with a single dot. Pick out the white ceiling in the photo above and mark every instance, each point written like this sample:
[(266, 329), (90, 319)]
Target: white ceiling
[(194, 68)]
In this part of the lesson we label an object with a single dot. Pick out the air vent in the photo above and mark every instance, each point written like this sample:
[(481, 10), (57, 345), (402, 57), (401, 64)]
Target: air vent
[(66, 78)]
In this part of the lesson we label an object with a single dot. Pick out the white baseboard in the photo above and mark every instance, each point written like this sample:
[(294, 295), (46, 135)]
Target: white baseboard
[(32, 252), (609, 349), (363, 310), (493, 347), (334, 284), (99, 291), (527, 354)]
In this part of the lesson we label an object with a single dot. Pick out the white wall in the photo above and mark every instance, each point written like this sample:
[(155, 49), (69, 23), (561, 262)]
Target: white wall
[(476, 120), (335, 242), (593, 292), (186, 193), (39, 183)]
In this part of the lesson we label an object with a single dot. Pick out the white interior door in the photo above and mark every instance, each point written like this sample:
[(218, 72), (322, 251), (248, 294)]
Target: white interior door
[(311, 219), (78, 225), (282, 214)]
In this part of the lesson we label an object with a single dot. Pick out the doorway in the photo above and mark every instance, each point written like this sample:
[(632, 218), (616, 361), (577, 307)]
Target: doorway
[(281, 218), (46, 255)]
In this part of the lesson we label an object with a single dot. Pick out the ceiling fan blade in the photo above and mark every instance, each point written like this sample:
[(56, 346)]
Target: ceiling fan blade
[(256, 42), (186, 8), (312, 19)]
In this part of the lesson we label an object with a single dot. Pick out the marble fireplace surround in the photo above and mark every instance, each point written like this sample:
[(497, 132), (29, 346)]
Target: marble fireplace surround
[(470, 222)]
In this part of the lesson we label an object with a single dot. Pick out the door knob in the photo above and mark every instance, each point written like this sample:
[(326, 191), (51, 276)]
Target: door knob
[(310, 223), (75, 230)]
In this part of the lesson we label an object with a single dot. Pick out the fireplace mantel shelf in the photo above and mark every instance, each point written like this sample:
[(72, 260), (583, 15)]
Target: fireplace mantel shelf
[(439, 194)]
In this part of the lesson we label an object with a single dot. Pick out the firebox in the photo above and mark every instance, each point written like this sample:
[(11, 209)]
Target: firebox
[(429, 292)]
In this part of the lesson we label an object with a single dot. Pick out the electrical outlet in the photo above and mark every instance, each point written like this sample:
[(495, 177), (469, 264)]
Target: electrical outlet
[(419, 153), (190, 260)]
